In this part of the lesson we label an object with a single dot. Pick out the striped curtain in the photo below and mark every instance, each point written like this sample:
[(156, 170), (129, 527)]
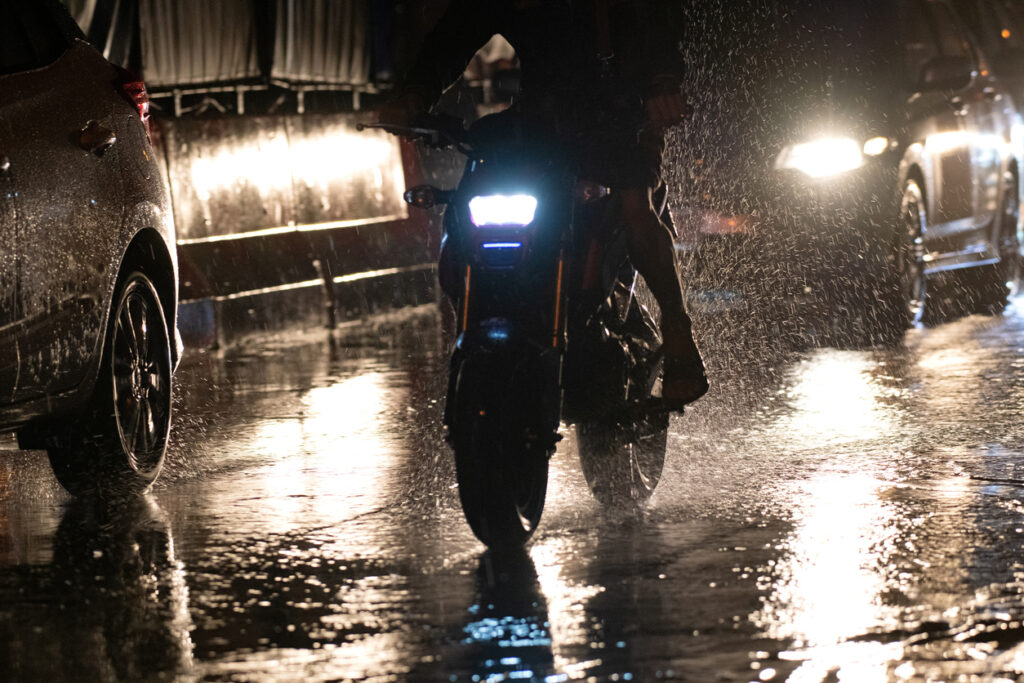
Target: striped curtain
[(197, 42), (323, 41)]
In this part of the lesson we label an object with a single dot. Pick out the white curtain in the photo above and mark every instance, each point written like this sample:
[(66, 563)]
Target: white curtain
[(322, 41), (196, 42)]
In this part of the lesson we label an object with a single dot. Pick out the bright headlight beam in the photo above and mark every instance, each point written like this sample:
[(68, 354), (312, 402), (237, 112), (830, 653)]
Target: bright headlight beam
[(822, 158), (876, 146), (499, 210)]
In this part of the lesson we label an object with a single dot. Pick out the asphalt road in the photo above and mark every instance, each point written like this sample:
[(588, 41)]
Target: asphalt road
[(825, 514)]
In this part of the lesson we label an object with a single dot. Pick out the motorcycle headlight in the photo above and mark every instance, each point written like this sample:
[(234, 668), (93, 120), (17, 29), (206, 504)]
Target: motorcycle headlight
[(822, 158), (502, 211)]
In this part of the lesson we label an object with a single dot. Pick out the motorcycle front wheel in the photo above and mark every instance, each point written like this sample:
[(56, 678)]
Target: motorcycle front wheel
[(622, 463), (501, 455)]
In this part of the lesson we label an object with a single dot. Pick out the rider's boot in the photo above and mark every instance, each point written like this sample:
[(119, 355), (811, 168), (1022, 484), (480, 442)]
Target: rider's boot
[(684, 379)]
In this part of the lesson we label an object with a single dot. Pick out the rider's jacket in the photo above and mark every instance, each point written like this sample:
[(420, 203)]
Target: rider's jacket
[(571, 52)]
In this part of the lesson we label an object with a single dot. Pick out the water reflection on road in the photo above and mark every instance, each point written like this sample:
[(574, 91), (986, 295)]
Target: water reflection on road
[(111, 604), (851, 514)]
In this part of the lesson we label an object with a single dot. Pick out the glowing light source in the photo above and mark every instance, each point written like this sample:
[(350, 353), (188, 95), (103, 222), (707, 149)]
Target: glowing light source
[(498, 210), (876, 146), (502, 245), (273, 165), (822, 158)]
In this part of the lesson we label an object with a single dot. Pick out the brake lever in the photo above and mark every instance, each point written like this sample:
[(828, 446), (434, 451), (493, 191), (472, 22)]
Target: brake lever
[(399, 130), (434, 137)]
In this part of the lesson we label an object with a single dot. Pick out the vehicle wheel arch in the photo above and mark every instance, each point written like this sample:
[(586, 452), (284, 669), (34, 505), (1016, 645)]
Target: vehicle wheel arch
[(147, 252), (916, 173)]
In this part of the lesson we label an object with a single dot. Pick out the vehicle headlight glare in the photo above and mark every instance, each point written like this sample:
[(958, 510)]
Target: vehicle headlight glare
[(499, 210), (876, 146), (822, 158)]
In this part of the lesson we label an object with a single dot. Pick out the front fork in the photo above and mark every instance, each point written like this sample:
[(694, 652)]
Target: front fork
[(512, 356), (458, 283)]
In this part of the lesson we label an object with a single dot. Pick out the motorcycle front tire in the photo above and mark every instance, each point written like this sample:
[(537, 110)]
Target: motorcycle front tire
[(502, 472)]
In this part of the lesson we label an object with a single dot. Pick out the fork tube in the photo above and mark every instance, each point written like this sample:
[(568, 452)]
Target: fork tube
[(558, 301), (465, 300)]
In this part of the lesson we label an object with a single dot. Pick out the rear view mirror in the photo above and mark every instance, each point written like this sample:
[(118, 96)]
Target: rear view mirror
[(426, 196), (1009, 63), (946, 73)]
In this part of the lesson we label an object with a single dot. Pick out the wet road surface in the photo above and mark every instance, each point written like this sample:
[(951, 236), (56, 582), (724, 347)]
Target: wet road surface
[(825, 514)]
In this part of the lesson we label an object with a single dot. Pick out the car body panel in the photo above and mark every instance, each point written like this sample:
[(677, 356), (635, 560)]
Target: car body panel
[(69, 216), (998, 25), (64, 244)]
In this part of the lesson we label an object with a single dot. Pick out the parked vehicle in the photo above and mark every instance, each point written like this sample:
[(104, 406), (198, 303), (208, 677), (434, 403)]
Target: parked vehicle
[(861, 150), (547, 304), (998, 26), (88, 286)]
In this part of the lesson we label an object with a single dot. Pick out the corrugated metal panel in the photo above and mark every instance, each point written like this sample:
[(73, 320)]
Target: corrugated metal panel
[(322, 41), (247, 176), (192, 42)]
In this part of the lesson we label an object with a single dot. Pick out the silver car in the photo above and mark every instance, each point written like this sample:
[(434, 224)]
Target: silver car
[(88, 272)]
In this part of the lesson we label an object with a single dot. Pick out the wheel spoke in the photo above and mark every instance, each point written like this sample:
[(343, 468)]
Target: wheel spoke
[(133, 428), (146, 427), (130, 333), (122, 389), (154, 380), (121, 352), (158, 420), (141, 319)]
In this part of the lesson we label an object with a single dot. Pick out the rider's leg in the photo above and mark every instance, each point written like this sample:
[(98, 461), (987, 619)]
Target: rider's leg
[(652, 252)]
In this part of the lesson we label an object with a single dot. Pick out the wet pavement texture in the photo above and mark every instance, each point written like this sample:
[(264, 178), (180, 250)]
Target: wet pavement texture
[(825, 514)]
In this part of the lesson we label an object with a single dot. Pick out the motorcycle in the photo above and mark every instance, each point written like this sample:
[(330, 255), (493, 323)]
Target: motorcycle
[(551, 327)]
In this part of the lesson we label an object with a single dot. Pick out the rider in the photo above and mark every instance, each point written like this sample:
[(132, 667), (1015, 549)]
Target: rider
[(606, 75)]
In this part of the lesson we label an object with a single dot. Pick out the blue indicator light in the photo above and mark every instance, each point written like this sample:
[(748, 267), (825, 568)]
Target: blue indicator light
[(502, 245)]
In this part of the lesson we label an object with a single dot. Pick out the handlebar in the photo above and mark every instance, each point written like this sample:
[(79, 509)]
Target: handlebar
[(437, 130), (397, 130)]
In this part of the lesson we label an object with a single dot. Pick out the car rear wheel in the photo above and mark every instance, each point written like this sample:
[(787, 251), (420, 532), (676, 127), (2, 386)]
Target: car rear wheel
[(119, 445)]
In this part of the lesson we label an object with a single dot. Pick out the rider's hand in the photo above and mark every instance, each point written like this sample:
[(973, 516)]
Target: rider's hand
[(401, 110), (665, 109)]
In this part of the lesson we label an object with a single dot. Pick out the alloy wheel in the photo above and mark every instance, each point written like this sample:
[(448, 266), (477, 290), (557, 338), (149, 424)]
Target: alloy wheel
[(140, 369)]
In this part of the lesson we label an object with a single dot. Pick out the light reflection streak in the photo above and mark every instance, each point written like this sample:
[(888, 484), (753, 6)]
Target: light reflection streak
[(337, 428), (343, 662), (829, 587), (507, 633), (329, 461), (836, 400), (262, 164), (567, 602), (947, 141)]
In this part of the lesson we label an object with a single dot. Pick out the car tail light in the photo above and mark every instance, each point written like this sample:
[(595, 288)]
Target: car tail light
[(133, 89)]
